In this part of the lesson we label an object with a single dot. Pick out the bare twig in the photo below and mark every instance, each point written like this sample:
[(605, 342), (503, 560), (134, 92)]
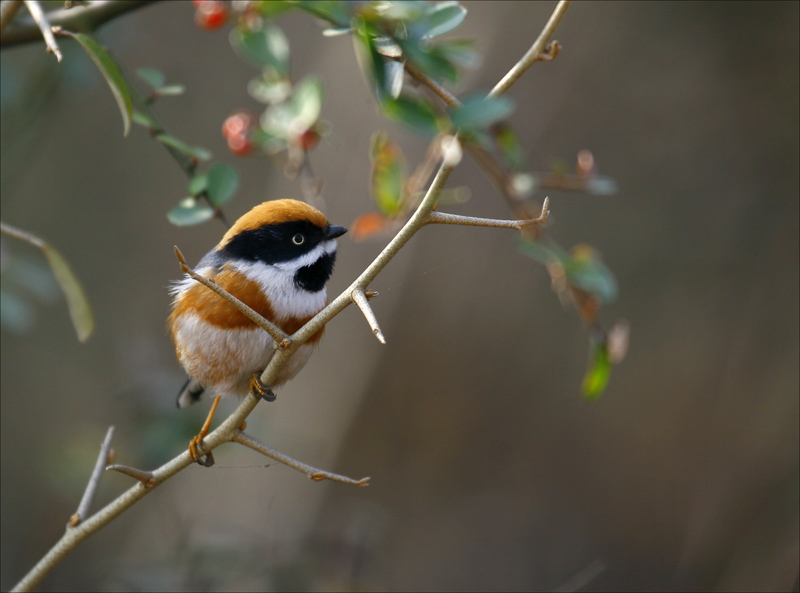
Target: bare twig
[(12, 231), (94, 481), (444, 218), (44, 26), (144, 477), (273, 330), (360, 299), (313, 473), (534, 53), (8, 9)]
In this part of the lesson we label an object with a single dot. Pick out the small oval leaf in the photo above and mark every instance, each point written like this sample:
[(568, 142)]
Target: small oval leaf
[(442, 18), (414, 113), (189, 212), (152, 77), (267, 46), (200, 154), (222, 183), (172, 89), (143, 119), (198, 184), (388, 174), (482, 111), (596, 379)]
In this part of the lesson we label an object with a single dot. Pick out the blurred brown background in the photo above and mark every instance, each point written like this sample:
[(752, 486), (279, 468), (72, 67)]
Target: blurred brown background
[(489, 472)]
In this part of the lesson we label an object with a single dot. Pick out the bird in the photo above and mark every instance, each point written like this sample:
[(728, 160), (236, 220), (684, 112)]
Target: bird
[(277, 259)]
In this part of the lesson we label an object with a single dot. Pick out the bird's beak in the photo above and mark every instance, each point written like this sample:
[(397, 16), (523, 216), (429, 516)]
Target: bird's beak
[(333, 231)]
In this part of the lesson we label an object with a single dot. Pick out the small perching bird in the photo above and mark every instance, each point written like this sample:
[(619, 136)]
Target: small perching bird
[(276, 259)]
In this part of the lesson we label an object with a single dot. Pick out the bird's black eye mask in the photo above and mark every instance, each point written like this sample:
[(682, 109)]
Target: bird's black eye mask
[(275, 243)]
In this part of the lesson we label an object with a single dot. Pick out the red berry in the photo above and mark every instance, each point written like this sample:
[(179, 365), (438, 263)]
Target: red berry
[(308, 139), (240, 145), (211, 14), (238, 123)]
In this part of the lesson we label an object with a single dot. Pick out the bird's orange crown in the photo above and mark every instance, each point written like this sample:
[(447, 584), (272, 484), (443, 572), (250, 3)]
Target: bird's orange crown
[(274, 212)]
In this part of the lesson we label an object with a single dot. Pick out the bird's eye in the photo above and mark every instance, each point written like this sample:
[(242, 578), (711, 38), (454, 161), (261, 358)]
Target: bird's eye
[(298, 239)]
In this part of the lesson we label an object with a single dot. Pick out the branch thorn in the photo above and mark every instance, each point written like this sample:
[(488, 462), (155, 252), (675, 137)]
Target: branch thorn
[(360, 298)]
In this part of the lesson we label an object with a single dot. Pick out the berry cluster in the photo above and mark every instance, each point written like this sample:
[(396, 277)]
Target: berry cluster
[(236, 131)]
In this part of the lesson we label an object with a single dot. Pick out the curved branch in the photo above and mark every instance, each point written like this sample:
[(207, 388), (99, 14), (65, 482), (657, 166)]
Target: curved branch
[(535, 53), (80, 18)]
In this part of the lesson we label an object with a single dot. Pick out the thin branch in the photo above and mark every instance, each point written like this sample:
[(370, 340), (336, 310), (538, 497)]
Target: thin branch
[(13, 231), (85, 18), (313, 473), (273, 330), (94, 481), (8, 9), (45, 27), (144, 477), (535, 53), (449, 98), (360, 299), (444, 218)]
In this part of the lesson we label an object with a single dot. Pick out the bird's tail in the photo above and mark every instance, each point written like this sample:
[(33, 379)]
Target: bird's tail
[(190, 393)]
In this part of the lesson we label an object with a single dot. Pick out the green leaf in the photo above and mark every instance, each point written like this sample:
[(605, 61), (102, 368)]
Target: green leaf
[(172, 89), (387, 184), (541, 252), (430, 60), (196, 152), (395, 73), (585, 270), (390, 14), (582, 266), (482, 111), (152, 77), (600, 185), (307, 97), (198, 184), (271, 10), (189, 212), (332, 11), (143, 119), (442, 17), (266, 46), (270, 87), (110, 71), (372, 64), (417, 114), (461, 52), (596, 379), (222, 183), (337, 31), (507, 144), (299, 113), (79, 308)]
